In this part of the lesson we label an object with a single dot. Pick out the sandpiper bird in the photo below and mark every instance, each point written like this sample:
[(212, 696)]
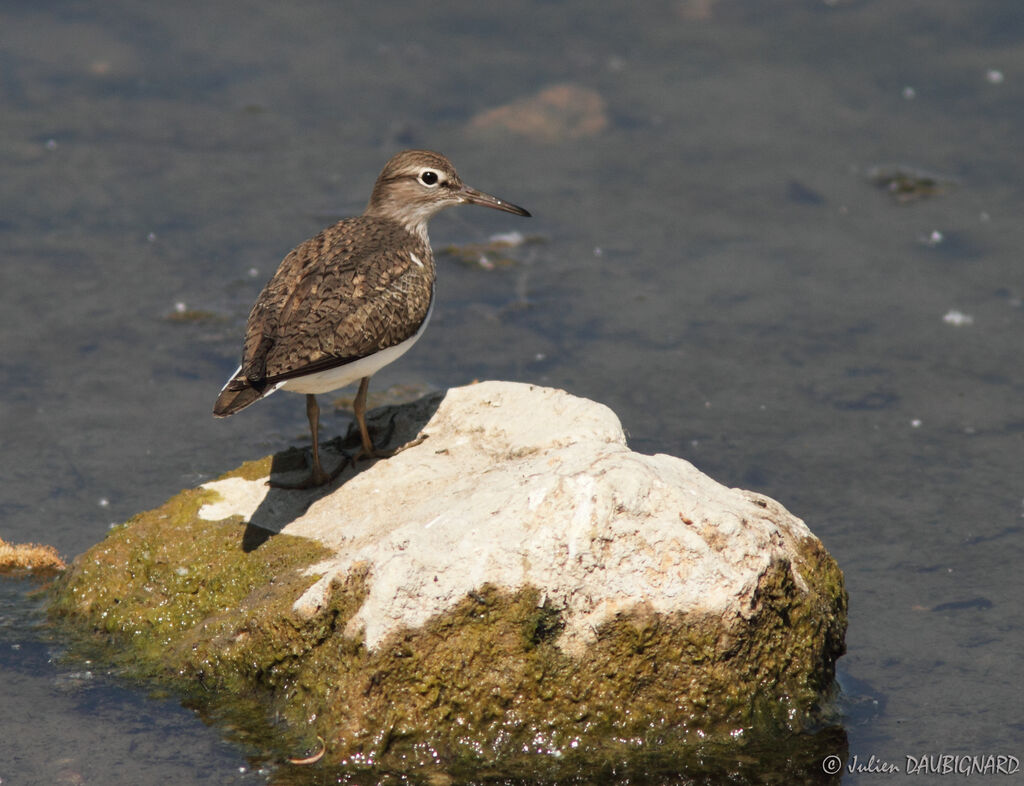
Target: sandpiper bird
[(353, 299)]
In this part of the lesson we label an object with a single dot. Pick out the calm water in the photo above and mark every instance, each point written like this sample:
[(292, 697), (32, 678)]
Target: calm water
[(715, 266)]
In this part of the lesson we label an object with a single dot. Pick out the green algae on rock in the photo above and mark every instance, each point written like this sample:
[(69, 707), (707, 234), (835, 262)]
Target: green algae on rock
[(517, 658), (165, 580)]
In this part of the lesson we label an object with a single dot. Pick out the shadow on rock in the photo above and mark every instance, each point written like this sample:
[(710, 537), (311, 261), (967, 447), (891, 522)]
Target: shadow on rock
[(391, 428)]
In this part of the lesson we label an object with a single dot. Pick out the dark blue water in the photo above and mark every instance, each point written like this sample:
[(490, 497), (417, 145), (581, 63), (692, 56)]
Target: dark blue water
[(716, 266)]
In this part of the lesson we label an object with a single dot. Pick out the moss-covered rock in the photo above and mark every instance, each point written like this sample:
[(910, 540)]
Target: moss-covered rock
[(491, 681)]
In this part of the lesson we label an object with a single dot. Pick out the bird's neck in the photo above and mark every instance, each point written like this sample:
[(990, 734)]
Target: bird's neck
[(412, 219)]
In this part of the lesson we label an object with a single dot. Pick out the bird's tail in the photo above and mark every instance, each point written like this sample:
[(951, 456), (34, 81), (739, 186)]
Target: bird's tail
[(237, 394), (231, 401)]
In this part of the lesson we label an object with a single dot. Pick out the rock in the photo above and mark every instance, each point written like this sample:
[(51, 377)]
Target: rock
[(18, 559), (517, 581), (555, 114)]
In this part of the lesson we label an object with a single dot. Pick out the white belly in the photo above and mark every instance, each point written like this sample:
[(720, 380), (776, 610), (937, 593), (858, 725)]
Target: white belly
[(339, 376)]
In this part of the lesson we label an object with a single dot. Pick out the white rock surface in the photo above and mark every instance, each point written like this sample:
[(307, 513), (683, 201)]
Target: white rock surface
[(521, 485)]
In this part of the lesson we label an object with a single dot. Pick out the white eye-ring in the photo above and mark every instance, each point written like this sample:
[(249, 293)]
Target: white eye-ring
[(429, 178)]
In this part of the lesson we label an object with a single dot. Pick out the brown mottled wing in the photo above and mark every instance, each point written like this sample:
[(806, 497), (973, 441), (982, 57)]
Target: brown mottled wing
[(348, 292)]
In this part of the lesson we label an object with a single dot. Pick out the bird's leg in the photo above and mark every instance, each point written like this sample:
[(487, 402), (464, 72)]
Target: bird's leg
[(317, 477), (368, 450), (359, 409)]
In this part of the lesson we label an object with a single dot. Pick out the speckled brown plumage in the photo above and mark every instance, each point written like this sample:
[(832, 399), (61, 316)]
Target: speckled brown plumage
[(347, 293), (350, 300)]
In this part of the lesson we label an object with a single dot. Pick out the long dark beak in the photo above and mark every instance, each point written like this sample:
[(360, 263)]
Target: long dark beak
[(474, 197)]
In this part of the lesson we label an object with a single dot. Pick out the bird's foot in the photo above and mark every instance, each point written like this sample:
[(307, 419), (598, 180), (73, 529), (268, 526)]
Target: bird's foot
[(375, 453), (317, 477)]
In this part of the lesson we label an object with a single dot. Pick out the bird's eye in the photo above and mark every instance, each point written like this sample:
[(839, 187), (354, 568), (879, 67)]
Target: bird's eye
[(428, 177)]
